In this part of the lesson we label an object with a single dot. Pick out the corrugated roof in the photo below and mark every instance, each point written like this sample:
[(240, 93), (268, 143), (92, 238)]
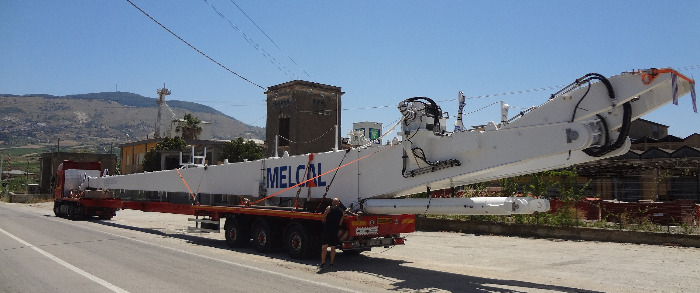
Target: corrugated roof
[(686, 152), (670, 138), (655, 152)]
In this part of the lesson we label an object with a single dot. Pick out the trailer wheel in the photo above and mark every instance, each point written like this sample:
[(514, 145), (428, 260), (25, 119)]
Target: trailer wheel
[(236, 234), (57, 209), (297, 241), (263, 239), (73, 212)]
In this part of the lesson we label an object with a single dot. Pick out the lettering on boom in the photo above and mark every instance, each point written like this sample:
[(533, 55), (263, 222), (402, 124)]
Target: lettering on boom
[(286, 176)]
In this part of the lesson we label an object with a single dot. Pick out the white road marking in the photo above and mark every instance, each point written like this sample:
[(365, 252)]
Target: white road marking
[(92, 277), (216, 259)]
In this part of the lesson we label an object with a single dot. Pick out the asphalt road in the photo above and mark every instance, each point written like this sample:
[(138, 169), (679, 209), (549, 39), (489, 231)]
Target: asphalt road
[(150, 252)]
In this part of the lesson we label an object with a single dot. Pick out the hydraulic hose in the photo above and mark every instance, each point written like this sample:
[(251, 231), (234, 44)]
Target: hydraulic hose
[(607, 147), (431, 108)]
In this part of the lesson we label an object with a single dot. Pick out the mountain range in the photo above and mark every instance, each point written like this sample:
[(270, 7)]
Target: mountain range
[(93, 121)]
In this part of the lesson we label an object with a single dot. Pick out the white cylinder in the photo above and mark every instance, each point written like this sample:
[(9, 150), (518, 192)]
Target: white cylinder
[(456, 206)]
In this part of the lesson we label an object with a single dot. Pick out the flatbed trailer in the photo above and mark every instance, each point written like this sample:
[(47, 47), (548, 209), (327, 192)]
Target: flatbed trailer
[(270, 228), (274, 228)]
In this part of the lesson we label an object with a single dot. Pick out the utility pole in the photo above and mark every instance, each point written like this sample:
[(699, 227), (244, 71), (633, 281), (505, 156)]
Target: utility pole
[(337, 121)]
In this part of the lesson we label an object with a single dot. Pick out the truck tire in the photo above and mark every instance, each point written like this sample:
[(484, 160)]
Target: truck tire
[(74, 212), (264, 239), (298, 242), (236, 234), (57, 209)]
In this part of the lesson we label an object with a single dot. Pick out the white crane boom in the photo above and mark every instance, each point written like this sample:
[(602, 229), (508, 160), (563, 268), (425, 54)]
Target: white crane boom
[(586, 121)]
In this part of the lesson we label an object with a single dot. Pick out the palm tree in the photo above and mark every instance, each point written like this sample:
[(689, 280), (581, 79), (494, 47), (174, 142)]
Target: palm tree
[(189, 127)]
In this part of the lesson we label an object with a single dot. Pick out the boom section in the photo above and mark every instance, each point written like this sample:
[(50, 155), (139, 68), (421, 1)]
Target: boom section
[(583, 122)]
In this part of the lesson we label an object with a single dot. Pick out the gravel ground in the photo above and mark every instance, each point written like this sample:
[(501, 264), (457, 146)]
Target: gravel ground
[(457, 262)]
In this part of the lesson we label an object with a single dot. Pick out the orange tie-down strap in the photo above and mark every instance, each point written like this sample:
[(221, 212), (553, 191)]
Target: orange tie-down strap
[(194, 199), (650, 74)]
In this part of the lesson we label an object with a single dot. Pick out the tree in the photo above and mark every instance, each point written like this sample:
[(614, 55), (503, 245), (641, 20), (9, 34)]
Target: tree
[(238, 150), (189, 127), (151, 161)]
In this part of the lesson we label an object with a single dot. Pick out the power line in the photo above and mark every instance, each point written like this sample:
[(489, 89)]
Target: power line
[(255, 45), (471, 97), (268, 37), (689, 67), (256, 25), (508, 93), (193, 47)]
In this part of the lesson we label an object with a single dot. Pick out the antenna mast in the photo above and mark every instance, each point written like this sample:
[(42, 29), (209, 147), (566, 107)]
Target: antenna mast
[(161, 104)]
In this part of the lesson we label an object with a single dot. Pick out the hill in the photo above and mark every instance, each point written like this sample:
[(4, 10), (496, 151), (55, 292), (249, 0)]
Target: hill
[(85, 121)]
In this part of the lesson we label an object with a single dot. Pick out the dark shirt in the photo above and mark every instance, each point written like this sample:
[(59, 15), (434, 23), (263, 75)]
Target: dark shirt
[(331, 226), (335, 215)]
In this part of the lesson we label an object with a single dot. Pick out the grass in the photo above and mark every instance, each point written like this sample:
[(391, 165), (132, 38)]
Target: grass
[(33, 198), (568, 218)]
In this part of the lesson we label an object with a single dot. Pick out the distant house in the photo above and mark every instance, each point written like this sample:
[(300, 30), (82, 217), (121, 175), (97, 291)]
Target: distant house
[(667, 168), (644, 128), (132, 153)]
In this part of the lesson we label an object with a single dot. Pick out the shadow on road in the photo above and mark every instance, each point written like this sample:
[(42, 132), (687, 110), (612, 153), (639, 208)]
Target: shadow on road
[(402, 277)]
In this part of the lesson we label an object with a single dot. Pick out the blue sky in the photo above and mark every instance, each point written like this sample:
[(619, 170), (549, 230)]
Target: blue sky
[(378, 52)]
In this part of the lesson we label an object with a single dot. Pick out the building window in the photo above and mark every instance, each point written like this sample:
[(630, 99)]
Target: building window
[(281, 103), (283, 132), (655, 131), (319, 104)]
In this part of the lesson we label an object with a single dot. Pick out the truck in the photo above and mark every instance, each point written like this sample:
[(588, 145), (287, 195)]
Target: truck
[(72, 202), (277, 202)]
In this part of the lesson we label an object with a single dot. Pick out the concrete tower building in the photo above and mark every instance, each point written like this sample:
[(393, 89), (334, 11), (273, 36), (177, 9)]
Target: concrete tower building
[(301, 117)]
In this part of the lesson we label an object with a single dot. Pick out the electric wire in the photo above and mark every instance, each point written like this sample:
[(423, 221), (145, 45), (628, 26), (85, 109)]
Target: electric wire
[(309, 141), (481, 96), (482, 108), (471, 97), (255, 45), (268, 37), (193, 47), (690, 67)]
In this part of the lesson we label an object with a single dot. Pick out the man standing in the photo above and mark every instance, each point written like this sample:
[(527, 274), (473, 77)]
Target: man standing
[(332, 219)]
